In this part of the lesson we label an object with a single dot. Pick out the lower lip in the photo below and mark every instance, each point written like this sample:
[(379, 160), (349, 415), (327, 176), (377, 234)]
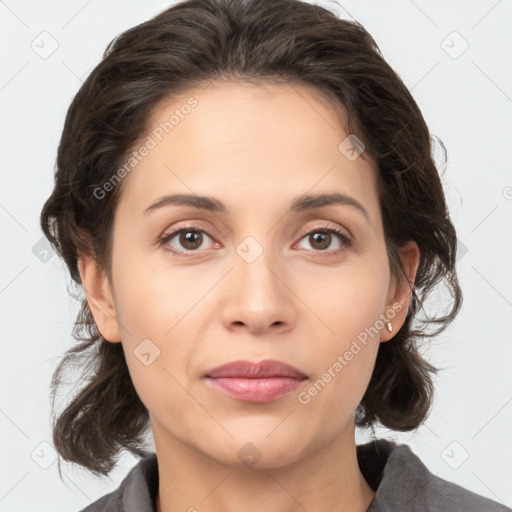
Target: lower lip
[(255, 390)]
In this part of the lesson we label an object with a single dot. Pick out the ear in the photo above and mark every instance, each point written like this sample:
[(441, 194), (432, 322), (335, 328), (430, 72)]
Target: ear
[(99, 297), (400, 291)]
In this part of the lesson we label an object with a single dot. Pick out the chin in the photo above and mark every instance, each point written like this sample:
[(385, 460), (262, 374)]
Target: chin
[(261, 452)]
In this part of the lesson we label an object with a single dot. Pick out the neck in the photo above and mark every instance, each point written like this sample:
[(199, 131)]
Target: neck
[(327, 478)]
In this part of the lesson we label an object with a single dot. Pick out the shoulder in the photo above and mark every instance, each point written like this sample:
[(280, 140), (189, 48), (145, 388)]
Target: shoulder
[(136, 492), (110, 502), (444, 495), (406, 484)]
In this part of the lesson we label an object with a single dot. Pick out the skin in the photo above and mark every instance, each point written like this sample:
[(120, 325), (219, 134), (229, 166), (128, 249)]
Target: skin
[(255, 149)]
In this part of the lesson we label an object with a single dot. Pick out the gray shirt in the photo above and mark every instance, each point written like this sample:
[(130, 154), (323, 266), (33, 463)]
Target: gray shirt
[(402, 481)]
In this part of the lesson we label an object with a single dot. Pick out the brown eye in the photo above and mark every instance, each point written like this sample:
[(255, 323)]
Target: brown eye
[(321, 239), (188, 239)]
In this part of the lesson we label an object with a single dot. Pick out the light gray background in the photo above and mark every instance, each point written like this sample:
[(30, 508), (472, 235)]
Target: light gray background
[(466, 99)]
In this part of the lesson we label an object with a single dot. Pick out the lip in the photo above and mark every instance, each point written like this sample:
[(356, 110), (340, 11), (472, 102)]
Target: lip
[(259, 382), (259, 370)]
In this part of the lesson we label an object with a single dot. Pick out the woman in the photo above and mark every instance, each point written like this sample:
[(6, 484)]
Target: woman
[(246, 193)]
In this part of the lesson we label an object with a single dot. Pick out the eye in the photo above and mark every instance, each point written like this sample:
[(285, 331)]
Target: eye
[(321, 238), (190, 238)]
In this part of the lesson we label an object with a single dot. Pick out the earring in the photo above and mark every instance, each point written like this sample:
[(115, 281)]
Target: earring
[(389, 325)]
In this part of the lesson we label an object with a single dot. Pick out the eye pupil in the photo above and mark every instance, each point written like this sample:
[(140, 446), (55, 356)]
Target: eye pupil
[(317, 237), (191, 237)]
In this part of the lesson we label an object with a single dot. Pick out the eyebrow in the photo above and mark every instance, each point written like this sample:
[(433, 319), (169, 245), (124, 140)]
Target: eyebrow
[(301, 203)]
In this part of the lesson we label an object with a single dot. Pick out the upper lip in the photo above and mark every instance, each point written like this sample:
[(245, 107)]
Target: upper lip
[(256, 370)]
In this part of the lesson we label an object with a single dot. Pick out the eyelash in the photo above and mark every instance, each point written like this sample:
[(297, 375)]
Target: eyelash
[(319, 229)]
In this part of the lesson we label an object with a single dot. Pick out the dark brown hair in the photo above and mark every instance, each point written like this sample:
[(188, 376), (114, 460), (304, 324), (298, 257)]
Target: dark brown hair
[(278, 41)]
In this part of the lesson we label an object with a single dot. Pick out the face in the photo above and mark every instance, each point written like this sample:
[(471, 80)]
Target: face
[(194, 288)]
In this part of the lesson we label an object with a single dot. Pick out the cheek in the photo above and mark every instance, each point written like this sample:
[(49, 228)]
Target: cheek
[(351, 297), (346, 355), (345, 363), (148, 301), (152, 308)]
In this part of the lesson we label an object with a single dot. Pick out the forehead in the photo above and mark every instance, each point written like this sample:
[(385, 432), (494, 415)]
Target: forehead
[(239, 140)]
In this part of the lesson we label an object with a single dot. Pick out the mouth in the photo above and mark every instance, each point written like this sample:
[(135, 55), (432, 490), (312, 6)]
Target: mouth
[(264, 381)]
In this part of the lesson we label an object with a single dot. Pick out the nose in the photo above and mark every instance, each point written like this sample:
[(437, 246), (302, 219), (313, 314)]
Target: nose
[(258, 297)]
